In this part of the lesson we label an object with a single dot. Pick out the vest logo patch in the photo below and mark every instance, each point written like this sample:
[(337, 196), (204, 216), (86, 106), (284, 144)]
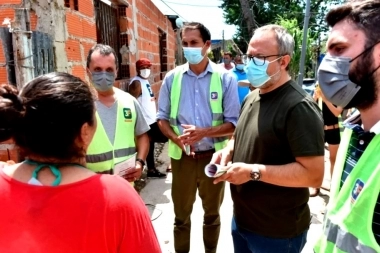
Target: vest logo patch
[(214, 95), (127, 114), (358, 187)]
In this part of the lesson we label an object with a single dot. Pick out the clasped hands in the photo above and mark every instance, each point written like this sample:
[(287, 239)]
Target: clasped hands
[(191, 134)]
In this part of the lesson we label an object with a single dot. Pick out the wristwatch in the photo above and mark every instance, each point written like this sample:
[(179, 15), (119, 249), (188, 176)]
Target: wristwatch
[(255, 174), (140, 161)]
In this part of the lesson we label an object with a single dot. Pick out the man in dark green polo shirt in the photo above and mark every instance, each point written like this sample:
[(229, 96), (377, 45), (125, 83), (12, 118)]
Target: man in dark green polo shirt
[(277, 151)]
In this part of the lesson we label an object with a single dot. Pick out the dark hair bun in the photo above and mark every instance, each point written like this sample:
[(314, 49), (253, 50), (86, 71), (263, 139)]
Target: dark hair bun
[(10, 110)]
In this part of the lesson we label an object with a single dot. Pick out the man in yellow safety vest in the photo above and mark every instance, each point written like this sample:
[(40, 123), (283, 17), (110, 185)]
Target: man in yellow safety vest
[(121, 127)]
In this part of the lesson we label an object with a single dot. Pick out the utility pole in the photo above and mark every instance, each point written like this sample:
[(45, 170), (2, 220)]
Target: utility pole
[(22, 47), (223, 41), (304, 43)]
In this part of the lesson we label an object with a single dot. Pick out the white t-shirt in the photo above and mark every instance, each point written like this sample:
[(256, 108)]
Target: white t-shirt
[(147, 100)]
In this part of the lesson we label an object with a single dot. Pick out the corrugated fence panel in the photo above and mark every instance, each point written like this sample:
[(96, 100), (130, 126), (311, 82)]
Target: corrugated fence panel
[(43, 56), (6, 40)]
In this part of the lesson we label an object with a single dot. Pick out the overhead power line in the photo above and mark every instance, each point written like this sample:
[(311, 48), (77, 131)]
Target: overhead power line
[(195, 5), (164, 2)]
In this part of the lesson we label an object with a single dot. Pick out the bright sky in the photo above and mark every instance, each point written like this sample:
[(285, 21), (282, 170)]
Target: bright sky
[(206, 12)]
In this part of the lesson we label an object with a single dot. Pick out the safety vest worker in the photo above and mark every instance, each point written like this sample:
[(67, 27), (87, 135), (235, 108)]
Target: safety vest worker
[(216, 104)]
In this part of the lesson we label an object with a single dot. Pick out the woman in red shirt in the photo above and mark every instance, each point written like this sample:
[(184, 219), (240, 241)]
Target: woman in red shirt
[(51, 202)]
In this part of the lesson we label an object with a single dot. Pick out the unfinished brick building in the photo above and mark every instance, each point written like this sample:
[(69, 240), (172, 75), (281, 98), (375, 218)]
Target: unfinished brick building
[(62, 32)]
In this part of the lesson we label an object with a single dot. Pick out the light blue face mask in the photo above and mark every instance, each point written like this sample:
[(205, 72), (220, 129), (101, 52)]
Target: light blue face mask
[(240, 66), (257, 75), (193, 54), (103, 81)]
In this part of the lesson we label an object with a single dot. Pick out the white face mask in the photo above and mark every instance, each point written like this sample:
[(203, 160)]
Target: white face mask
[(145, 73)]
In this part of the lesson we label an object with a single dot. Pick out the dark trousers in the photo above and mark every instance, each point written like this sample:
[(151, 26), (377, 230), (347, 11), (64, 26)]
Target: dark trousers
[(246, 242), (155, 135), (188, 177)]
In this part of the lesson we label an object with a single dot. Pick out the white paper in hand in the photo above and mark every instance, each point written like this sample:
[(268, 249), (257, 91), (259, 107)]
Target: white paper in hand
[(214, 170), (122, 167), (187, 149)]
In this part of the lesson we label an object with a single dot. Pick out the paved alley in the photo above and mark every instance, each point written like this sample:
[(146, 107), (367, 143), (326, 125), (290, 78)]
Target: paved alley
[(157, 197)]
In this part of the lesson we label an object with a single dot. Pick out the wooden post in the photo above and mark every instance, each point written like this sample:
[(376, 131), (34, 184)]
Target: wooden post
[(22, 52), (22, 47)]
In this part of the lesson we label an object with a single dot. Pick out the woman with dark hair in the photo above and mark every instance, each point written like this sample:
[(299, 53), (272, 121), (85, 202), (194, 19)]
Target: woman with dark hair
[(51, 202)]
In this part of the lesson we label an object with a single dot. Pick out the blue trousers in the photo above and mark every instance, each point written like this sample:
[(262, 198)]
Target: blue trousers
[(248, 242)]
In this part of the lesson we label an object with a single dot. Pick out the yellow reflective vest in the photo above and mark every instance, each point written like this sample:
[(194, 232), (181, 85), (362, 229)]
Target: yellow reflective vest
[(348, 221), (102, 155), (216, 104)]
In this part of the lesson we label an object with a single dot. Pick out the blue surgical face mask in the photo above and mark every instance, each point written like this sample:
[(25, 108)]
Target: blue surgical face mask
[(240, 66), (103, 81), (193, 54), (257, 75)]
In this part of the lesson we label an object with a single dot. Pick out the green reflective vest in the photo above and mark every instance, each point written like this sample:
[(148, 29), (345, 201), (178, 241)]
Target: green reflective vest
[(216, 103), (348, 221), (102, 155)]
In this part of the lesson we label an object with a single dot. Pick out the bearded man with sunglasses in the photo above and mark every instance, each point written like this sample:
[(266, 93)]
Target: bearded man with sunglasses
[(277, 152)]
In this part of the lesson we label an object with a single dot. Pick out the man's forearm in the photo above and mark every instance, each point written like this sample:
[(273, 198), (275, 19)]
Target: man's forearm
[(142, 146), (225, 129), (167, 130), (294, 174)]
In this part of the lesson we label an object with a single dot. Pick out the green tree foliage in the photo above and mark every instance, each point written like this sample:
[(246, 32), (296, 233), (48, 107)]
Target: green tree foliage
[(267, 12), (210, 55), (297, 33)]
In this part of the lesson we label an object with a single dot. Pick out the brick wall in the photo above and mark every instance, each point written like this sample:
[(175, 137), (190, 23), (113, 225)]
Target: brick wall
[(81, 32), (79, 36), (149, 21), (72, 40)]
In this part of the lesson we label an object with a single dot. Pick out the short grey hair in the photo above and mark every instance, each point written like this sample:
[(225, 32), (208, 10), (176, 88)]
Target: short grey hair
[(104, 50), (285, 41)]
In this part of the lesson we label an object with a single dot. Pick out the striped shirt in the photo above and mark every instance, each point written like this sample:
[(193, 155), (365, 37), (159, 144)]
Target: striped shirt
[(358, 143)]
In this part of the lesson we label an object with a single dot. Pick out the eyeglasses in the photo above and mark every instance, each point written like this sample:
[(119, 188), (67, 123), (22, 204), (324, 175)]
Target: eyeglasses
[(262, 59)]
